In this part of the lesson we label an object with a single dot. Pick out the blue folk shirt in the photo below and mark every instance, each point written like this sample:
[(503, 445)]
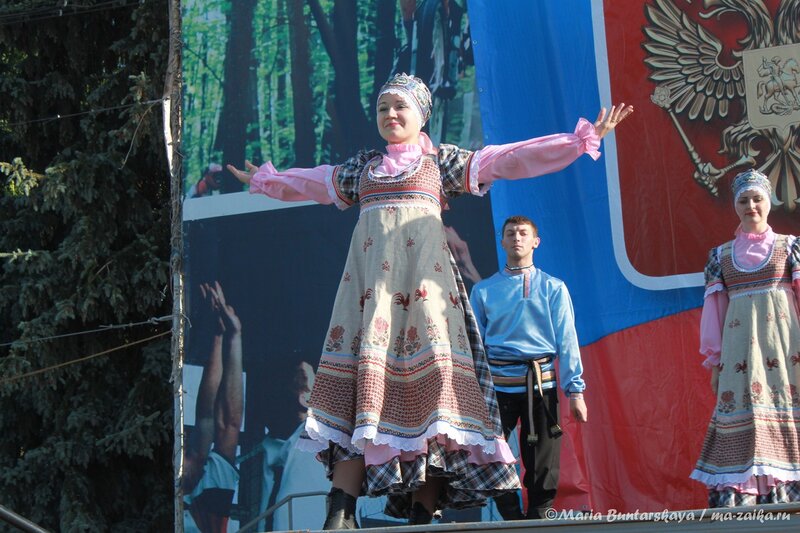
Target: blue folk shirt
[(526, 315)]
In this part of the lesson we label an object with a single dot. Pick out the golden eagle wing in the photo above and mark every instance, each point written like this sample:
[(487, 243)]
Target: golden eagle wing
[(685, 59)]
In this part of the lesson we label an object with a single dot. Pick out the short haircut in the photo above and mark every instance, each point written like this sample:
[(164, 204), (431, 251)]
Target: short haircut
[(519, 219)]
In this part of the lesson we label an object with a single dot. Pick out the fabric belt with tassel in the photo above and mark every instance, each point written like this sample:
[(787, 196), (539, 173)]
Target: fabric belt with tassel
[(531, 387)]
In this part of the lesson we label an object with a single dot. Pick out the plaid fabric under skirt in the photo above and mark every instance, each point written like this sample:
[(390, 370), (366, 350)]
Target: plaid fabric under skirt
[(403, 365), (468, 485), (730, 497), (754, 428)]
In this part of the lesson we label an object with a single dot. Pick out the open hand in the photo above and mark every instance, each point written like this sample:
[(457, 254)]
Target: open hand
[(608, 121), (243, 175), (227, 315), (226, 320)]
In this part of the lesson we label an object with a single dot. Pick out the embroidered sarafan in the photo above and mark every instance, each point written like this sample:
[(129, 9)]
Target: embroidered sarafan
[(751, 452), (403, 379)]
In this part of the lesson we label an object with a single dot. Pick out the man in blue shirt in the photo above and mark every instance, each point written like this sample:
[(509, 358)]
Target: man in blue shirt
[(526, 320)]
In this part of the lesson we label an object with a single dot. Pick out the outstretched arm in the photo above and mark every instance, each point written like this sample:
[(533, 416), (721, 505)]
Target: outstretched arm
[(292, 185), (246, 175), (543, 155)]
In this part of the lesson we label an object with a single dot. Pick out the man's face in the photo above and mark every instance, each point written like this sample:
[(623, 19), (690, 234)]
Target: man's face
[(519, 241)]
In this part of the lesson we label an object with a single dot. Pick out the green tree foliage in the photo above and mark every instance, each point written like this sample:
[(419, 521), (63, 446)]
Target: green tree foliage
[(19, 180), (364, 54), (85, 446), (205, 37)]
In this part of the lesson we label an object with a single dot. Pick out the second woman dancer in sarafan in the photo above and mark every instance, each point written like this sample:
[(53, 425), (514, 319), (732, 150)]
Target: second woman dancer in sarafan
[(750, 337), (403, 402)]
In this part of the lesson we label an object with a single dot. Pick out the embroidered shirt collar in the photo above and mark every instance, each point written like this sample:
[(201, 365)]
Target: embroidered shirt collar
[(742, 235), (514, 271), (404, 147)]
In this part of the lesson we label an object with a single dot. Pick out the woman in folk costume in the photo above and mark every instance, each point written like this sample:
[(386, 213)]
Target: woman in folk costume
[(750, 336), (403, 402)]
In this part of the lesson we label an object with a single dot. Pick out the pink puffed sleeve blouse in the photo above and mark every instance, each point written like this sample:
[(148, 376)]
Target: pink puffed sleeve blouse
[(523, 159)]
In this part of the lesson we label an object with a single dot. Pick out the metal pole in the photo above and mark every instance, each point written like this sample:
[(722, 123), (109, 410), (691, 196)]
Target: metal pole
[(287, 499), (20, 522), (172, 123)]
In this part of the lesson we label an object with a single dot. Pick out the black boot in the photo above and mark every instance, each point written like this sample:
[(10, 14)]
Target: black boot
[(535, 513), (419, 515), (508, 505), (341, 510)]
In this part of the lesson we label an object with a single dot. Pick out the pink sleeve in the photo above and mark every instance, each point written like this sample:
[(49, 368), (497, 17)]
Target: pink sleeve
[(711, 323), (295, 184), (796, 290), (534, 157)]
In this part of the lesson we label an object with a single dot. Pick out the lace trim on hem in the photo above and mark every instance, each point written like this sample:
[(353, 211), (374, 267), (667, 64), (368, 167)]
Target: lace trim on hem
[(308, 445), (322, 434), (744, 480), (463, 438)]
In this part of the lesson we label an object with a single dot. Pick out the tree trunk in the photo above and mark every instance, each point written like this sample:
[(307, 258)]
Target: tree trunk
[(385, 43), (304, 140), (237, 91), (353, 130)]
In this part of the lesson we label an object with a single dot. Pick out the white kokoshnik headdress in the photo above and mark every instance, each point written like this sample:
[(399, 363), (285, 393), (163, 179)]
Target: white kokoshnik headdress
[(413, 90), (750, 180)]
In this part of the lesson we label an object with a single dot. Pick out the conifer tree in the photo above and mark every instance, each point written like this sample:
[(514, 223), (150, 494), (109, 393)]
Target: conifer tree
[(85, 442)]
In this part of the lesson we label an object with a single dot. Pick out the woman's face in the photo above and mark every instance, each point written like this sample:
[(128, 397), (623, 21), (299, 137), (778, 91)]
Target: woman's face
[(397, 122), (753, 208)]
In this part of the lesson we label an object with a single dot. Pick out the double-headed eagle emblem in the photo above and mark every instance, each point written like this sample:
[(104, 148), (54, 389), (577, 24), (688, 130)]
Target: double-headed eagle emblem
[(755, 87)]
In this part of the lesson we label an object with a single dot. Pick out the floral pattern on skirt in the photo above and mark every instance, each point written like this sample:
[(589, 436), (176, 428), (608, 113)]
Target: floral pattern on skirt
[(751, 446), (397, 369)]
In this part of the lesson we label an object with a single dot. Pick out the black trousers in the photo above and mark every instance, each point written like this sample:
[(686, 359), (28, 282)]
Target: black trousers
[(541, 460)]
